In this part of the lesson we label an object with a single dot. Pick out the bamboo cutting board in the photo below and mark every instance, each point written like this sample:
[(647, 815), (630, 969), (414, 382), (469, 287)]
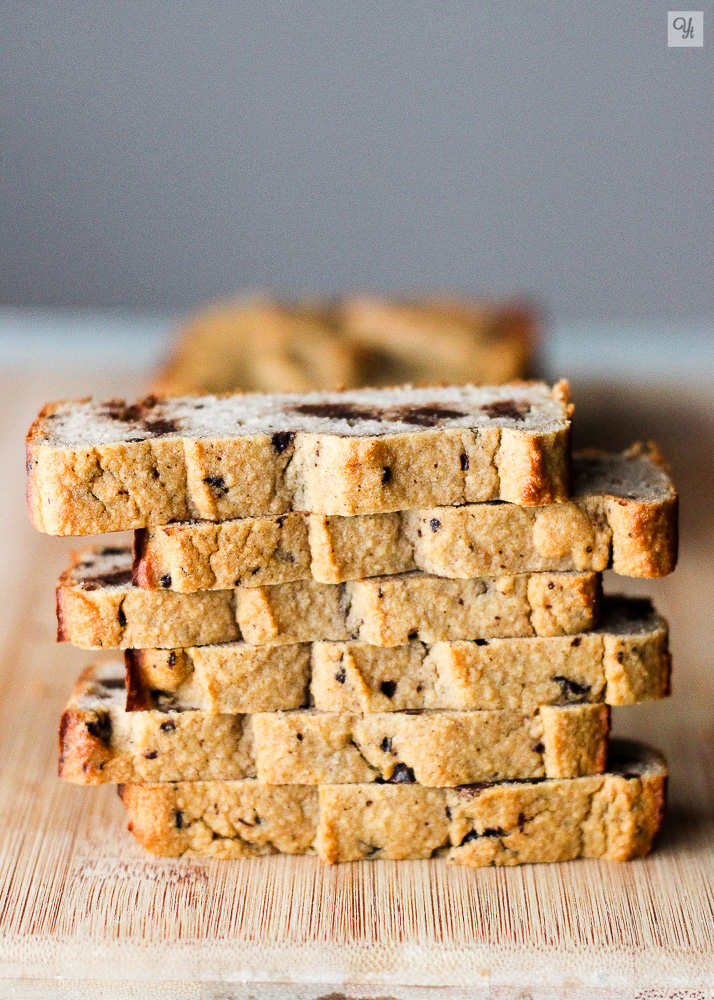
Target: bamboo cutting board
[(84, 912)]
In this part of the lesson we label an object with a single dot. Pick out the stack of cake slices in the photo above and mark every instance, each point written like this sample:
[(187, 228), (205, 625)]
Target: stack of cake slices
[(364, 624)]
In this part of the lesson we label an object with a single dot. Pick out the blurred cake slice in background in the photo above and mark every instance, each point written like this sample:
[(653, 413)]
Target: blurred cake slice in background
[(259, 344)]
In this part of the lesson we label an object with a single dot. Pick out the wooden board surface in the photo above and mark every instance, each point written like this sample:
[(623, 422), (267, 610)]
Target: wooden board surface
[(84, 912)]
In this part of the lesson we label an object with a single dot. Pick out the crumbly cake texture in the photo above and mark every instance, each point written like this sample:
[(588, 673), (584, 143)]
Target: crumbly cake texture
[(623, 512), (101, 742), (613, 816), (625, 661), (98, 606), (257, 344), (98, 467)]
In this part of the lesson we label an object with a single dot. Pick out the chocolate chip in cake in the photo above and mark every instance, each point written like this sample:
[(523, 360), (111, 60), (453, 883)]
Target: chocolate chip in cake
[(100, 728), (168, 726), (162, 425), (435, 524), (339, 411), (506, 408), (388, 688), (282, 440), (402, 775), (217, 483), (571, 688), (114, 578), (464, 458), (165, 580), (491, 831), (386, 745), (423, 416)]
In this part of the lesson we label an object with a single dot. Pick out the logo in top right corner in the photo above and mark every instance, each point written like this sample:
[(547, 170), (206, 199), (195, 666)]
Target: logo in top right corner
[(685, 29)]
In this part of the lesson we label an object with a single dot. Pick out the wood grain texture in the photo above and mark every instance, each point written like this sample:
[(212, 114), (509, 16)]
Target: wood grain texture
[(84, 912)]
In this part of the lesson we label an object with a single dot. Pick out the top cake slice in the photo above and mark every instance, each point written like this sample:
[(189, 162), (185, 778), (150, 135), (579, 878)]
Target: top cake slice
[(96, 467)]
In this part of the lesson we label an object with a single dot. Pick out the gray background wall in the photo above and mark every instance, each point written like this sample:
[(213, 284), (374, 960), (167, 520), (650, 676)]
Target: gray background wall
[(154, 154)]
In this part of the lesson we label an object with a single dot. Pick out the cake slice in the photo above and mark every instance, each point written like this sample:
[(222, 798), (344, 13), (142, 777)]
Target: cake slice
[(96, 467), (623, 513), (625, 661), (98, 606), (257, 344), (613, 816), (101, 742)]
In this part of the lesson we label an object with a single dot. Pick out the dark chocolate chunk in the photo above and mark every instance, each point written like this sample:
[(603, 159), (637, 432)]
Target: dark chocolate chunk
[(435, 524), (121, 617), (339, 411), (386, 475), (521, 822), (300, 737), (114, 683), (492, 831), (538, 747), (178, 820), (115, 578), (402, 775), (152, 754), (162, 425), (464, 462), (507, 408), (172, 658), (481, 642), (388, 688), (386, 745), (217, 483), (341, 676), (168, 726), (576, 641), (165, 580), (282, 440), (100, 728), (570, 688), (423, 416)]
